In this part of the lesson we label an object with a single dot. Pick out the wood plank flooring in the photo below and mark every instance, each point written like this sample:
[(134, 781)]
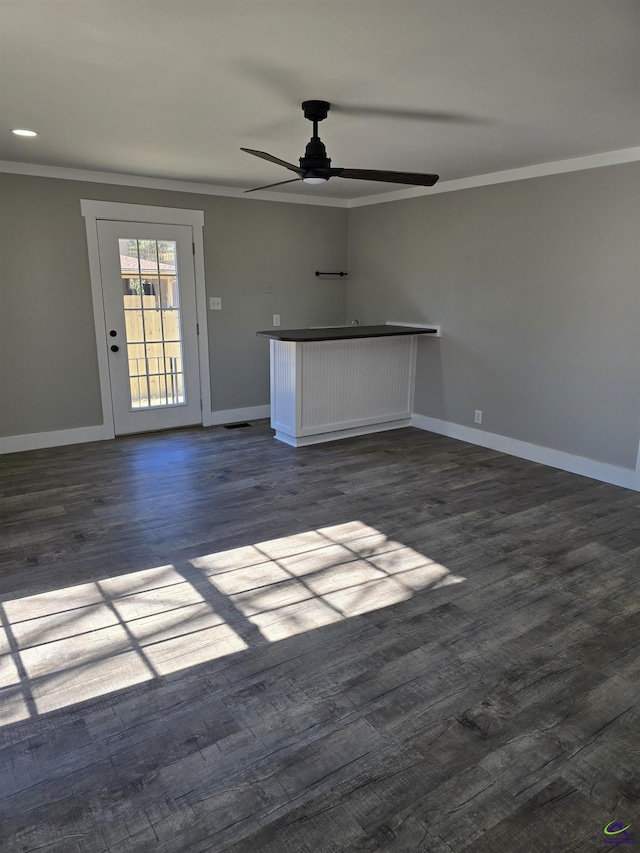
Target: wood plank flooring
[(210, 641)]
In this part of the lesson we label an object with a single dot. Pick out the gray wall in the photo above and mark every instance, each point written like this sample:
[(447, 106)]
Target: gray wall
[(537, 285), (48, 363), (536, 282)]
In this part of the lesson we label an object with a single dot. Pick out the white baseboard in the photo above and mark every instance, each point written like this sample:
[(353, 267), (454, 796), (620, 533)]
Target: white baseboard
[(322, 437), (625, 477), (80, 435), (39, 440), (628, 478), (232, 416)]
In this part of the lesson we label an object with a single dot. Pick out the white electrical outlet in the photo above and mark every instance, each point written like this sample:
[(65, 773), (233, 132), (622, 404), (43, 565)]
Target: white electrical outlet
[(478, 416), (215, 303), (276, 319)]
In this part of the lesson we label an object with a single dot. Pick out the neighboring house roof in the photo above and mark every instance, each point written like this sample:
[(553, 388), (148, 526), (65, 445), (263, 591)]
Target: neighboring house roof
[(128, 264)]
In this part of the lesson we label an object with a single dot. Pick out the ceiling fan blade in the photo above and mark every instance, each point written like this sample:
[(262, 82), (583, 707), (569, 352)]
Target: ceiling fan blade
[(279, 184), (409, 114), (415, 178), (276, 160)]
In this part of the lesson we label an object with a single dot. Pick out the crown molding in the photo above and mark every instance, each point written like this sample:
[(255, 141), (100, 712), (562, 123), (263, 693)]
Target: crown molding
[(591, 161), (64, 173), (577, 164)]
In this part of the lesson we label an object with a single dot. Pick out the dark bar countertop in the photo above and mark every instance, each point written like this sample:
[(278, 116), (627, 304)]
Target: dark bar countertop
[(341, 333)]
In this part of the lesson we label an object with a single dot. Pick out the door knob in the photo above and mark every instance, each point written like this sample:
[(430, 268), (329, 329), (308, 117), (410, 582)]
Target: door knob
[(115, 348), (113, 333)]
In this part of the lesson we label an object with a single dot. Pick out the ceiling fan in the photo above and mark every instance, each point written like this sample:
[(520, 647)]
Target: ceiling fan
[(315, 167)]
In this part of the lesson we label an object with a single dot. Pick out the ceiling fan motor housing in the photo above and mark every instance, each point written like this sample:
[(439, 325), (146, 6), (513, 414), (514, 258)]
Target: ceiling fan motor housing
[(315, 162), (315, 158)]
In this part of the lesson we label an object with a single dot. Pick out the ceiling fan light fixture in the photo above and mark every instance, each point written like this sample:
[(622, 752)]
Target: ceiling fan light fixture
[(312, 180)]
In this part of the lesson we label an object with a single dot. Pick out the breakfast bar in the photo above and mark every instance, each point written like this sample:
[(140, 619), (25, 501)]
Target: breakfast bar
[(336, 382)]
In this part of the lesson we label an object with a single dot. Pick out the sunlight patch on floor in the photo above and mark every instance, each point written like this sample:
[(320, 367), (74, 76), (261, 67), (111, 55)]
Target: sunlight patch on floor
[(70, 645), (301, 582)]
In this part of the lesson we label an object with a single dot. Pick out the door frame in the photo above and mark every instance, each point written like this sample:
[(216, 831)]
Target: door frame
[(92, 211)]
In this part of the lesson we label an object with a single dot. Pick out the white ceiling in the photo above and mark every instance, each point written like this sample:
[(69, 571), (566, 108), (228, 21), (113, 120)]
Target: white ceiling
[(173, 88)]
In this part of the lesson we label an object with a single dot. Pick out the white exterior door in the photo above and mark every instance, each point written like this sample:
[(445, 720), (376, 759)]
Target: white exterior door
[(149, 298)]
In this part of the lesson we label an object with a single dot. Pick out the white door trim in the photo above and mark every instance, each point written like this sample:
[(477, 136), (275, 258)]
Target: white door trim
[(92, 211)]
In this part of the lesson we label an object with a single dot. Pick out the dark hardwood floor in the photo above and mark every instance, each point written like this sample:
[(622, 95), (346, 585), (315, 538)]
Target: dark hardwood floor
[(211, 641)]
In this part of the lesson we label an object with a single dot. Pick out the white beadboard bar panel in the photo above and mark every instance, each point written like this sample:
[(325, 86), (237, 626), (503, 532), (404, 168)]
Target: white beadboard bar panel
[(283, 370), (323, 390), (353, 382)]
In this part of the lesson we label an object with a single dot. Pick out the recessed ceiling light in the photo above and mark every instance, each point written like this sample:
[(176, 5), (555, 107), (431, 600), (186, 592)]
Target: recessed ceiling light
[(19, 131)]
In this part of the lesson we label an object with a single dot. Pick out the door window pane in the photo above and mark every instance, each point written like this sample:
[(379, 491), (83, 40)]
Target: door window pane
[(171, 325), (133, 326), (152, 325), (151, 301), (169, 296)]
